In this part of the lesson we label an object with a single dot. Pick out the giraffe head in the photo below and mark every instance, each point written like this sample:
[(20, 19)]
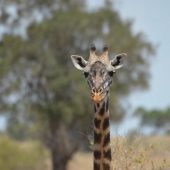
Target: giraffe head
[(98, 71)]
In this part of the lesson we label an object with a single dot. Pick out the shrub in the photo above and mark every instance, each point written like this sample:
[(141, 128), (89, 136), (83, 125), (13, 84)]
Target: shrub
[(21, 156)]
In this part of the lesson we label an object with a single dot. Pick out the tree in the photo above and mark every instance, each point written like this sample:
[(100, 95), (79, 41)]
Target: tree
[(157, 118), (37, 72)]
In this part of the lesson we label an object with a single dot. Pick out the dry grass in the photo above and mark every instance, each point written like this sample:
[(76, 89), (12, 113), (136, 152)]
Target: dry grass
[(141, 153)]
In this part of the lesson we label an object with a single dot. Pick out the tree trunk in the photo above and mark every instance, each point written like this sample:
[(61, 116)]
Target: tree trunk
[(57, 162), (62, 149)]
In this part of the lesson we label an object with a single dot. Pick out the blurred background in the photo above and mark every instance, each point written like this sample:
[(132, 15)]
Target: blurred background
[(46, 116)]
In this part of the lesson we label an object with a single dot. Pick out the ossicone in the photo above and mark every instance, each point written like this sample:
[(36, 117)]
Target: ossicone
[(105, 48), (92, 47)]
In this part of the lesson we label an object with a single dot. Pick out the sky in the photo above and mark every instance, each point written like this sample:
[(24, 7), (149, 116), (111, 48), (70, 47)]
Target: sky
[(153, 18)]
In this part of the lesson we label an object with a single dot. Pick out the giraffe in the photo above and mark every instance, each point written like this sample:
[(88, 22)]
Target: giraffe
[(98, 71)]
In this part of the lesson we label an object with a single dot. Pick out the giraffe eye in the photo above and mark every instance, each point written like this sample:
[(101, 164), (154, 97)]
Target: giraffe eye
[(102, 73), (110, 73), (86, 74)]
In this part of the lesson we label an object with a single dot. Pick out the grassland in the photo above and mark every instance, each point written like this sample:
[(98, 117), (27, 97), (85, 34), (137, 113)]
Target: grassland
[(139, 153), (135, 153)]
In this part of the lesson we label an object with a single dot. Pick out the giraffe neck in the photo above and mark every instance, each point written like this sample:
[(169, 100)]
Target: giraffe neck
[(102, 149)]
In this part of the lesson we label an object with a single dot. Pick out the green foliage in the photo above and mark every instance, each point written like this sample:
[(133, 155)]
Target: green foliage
[(156, 117), (20, 128), (21, 156)]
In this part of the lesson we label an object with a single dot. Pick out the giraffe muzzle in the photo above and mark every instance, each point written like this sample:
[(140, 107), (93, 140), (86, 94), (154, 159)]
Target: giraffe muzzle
[(97, 95)]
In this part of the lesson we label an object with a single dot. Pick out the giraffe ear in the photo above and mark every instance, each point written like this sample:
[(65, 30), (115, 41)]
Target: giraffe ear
[(117, 62), (79, 62)]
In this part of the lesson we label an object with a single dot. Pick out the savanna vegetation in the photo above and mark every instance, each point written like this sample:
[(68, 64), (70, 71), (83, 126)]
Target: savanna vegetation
[(41, 96), (16, 155), (134, 153)]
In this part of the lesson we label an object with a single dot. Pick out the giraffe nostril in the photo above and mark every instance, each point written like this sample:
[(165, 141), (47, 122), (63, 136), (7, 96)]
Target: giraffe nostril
[(93, 90), (100, 90)]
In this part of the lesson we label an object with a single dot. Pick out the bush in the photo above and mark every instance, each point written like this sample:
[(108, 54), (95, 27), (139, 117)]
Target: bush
[(141, 153), (21, 156)]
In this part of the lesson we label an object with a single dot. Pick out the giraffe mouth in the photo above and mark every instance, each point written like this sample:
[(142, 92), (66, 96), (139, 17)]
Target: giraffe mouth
[(97, 97)]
